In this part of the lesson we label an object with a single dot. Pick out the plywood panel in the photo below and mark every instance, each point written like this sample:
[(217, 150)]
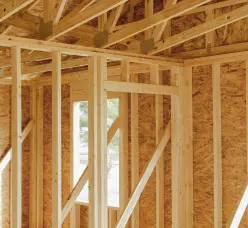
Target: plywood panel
[(48, 151), (203, 147)]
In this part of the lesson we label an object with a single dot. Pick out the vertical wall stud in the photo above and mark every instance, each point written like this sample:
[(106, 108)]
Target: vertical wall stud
[(56, 140), (16, 163), (217, 145), (102, 143), (135, 149), (92, 115), (124, 139), (187, 142), (176, 138), (155, 78)]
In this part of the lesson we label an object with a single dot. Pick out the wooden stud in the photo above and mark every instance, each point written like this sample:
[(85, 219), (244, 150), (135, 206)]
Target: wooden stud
[(135, 149), (187, 143), (39, 129), (102, 143), (33, 162), (56, 141), (155, 78), (123, 154), (92, 142), (217, 145), (176, 158), (16, 164)]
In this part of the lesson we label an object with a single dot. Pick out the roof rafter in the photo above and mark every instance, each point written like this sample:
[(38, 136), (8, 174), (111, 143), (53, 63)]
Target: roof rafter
[(201, 29), (142, 25), (83, 17), (7, 10)]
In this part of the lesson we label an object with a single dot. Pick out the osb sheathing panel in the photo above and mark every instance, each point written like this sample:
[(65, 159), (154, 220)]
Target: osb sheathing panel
[(48, 152), (5, 140), (233, 139), (203, 147)]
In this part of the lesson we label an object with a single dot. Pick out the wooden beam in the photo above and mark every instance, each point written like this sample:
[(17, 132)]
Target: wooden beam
[(187, 142), (92, 143), (123, 146), (59, 7), (7, 10), (102, 142), (144, 179), (16, 164), (135, 149), (201, 29), (6, 159), (56, 141), (74, 194), (83, 17), (113, 18), (155, 78), (33, 162), (217, 145), (149, 7), (178, 218), (79, 8), (130, 87), (39, 129), (159, 29), (157, 18), (78, 50)]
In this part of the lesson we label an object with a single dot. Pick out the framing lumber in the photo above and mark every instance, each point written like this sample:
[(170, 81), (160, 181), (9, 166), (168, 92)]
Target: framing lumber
[(144, 179), (202, 29), (135, 149), (56, 141), (39, 129), (83, 17), (112, 130), (130, 87), (79, 8), (16, 164), (59, 7), (33, 161), (92, 143), (159, 29), (75, 193), (187, 142), (113, 18), (102, 142), (7, 10), (6, 159), (123, 146), (156, 78), (217, 145), (157, 18), (178, 218), (78, 50)]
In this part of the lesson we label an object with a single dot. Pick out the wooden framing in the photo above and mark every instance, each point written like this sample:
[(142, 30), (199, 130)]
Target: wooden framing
[(217, 145), (179, 130), (56, 145), (16, 163), (107, 72)]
